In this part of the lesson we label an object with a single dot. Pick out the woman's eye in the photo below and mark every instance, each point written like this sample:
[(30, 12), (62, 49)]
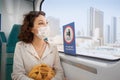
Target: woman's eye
[(40, 23)]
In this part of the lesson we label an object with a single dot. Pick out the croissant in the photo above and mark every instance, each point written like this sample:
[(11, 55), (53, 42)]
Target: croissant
[(41, 72)]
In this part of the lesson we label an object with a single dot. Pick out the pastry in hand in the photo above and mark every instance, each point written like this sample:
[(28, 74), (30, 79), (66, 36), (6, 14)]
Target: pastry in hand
[(41, 72)]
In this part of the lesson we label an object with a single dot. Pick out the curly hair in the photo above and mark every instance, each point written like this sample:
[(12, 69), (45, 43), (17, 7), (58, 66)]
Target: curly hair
[(25, 33)]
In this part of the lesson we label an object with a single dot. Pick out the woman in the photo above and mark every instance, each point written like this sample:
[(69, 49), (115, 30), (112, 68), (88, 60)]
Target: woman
[(33, 49)]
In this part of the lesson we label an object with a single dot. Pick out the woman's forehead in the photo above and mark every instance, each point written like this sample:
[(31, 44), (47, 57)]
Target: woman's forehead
[(40, 18)]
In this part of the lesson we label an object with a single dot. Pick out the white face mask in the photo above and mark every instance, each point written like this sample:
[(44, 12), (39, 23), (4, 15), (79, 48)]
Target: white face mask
[(43, 32)]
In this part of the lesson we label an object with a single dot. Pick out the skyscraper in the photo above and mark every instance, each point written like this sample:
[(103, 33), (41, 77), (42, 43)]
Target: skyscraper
[(113, 30), (118, 30), (95, 20), (107, 34)]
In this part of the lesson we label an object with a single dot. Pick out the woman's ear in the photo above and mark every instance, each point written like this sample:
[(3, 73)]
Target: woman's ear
[(33, 31)]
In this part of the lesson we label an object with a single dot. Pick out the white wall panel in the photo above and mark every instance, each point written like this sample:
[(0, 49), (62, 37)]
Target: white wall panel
[(12, 13)]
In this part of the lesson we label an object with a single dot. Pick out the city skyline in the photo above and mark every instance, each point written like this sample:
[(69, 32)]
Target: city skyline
[(77, 11), (112, 31), (109, 7)]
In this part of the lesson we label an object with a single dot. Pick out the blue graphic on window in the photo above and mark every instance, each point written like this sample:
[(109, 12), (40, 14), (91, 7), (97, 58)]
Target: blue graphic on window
[(69, 39)]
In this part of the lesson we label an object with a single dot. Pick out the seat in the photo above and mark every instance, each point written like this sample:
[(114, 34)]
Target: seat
[(0, 56), (9, 51), (3, 37), (2, 40), (13, 38), (0, 52), (11, 43)]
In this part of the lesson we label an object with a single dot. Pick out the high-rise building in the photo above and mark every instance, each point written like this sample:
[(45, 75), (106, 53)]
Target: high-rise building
[(95, 20), (118, 30), (107, 34), (113, 30), (90, 22)]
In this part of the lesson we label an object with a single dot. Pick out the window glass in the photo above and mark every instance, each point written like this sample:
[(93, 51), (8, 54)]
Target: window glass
[(92, 17)]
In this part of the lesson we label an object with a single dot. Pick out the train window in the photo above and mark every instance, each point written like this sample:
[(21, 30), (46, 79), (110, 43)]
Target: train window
[(93, 18)]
